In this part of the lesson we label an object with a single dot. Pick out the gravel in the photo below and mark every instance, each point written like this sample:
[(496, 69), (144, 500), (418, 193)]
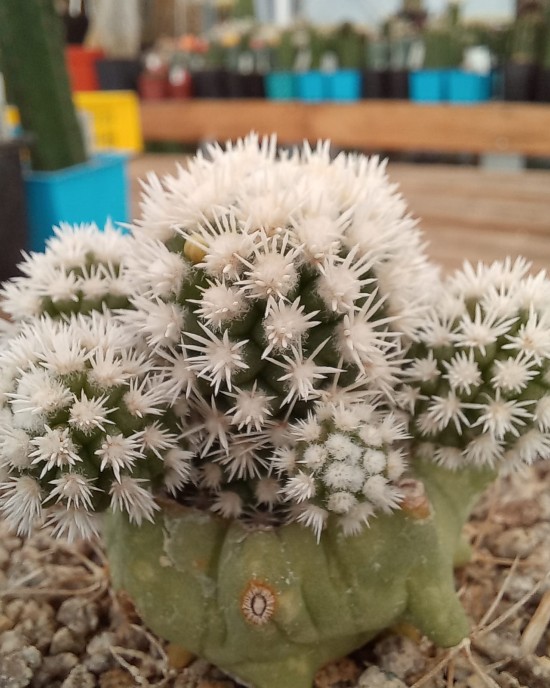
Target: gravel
[(62, 626)]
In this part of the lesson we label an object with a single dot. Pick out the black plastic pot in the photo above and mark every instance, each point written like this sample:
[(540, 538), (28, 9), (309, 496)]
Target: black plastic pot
[(543, 86), (398, 84), (13, 216), (118, 75), (245, 85), (520, 82), (210, 83), (374, 83), (254, 85)]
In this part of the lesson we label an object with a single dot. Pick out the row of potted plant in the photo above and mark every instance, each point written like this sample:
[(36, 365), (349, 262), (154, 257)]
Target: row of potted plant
[(443, 59)]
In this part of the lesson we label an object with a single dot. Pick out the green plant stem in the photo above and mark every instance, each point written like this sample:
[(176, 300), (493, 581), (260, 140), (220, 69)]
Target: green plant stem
[(32, 46), (189, 572)]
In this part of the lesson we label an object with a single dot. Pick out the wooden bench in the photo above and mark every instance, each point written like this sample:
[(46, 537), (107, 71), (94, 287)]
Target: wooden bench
[(393, 126)]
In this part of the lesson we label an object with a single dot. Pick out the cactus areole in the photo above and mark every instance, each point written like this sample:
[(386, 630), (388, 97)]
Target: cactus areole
[(281, 409)]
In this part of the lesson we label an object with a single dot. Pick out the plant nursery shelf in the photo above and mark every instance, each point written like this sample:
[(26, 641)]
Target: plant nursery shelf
[(369, 125)]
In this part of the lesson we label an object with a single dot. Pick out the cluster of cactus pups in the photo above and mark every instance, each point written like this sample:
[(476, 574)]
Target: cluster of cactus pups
[(268, 376)]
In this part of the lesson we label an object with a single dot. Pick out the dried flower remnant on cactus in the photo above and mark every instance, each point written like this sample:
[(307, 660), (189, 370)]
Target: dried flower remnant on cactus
[(478, 383)]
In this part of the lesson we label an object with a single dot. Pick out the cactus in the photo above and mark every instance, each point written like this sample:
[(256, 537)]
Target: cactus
[(284, 52), (31, 42), (478, 384), (525, 38), (349, 46), (443, 48), (284, 413)]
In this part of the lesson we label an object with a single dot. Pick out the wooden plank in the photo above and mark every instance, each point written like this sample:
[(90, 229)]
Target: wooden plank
[(369, 125)]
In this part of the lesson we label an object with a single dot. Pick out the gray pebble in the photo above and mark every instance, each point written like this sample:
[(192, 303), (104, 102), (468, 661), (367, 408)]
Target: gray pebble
[(79, 615), (54, 667), (79, 677), (10, 641), (99, 657), (18, 668), (374, 677), (516, 542), (64, 640), (399, 655)]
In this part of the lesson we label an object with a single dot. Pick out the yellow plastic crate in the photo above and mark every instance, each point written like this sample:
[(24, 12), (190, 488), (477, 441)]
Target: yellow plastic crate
[(115, 121), (111, 116)]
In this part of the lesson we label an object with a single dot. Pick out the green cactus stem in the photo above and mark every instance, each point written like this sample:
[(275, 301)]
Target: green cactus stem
[(271, 607), (31, 43), (525, 38), (349, 46)]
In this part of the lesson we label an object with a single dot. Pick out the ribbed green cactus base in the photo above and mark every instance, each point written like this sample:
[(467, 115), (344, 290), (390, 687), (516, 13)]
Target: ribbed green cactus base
[(271, 607)]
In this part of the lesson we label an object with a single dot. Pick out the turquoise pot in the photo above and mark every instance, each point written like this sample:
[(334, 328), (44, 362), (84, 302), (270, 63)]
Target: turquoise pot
[(429, 85), (281, 86), (313, 86), (467, 87), (345, 85), (92, 192)]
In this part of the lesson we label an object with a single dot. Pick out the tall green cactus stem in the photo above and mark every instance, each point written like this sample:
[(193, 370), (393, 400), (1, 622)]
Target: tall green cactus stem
[(271, 607), (349, 46), (284, 52), (443, 48), (525, 38), (31, 42)]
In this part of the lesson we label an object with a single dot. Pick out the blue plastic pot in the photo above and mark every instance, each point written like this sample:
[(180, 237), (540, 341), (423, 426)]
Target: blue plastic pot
[(313, 86), (281, 85), (467, 87), (91, 192), (429, 85), (344, 85)]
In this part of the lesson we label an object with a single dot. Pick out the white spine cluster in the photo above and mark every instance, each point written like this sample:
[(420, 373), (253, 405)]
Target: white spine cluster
[(80, 427), (478, 384), (347, 464), (251, 348), (80, 271)]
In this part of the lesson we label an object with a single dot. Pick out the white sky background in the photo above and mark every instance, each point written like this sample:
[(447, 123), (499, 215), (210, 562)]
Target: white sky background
[(373, 11)]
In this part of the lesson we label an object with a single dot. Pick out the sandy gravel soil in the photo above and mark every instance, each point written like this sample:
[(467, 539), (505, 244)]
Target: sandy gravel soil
[(62, 626)]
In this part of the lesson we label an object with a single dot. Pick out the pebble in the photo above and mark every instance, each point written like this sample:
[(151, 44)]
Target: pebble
[(516, 542), (519, 512), (116, 678), (10, 641), (4, 558), (37, 624), (54, 667), (64, 640), (12, 543), (374, 677), (13, 609), (79, 615), (99, 657), (344, 671), (18, 667), (6, 624), (79, 677), (506, 680), (401, 656)]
